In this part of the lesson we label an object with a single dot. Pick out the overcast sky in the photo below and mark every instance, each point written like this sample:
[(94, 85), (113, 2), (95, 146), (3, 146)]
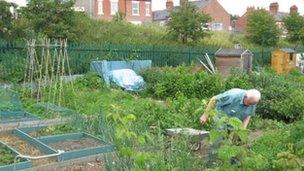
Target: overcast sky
[(232, 6)]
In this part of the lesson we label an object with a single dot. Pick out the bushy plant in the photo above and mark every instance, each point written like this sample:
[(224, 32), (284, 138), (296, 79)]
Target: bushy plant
[(282, 98), (6, 156), (90, 80), (271, 143), (229, 146), (238, 80), (12, 68), (297, 138), (288, 161), (167, 82), (185, 112), (282, 95), (259, 123)]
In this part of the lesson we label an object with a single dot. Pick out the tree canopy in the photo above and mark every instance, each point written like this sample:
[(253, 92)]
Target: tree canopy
[(262, 28), (294, 24), (51, 18), (6, 19), (186, 23)]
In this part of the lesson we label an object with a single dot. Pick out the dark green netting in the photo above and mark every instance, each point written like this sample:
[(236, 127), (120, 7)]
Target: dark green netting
[(50, 111), (11, 109), (9, 101)]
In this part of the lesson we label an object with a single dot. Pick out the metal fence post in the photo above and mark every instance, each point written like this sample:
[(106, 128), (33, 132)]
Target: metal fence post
[(153, 53), (189, 55)]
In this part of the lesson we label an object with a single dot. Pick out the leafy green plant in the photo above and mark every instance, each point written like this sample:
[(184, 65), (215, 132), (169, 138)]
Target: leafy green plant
[(288, 161), (90, 80), (53, 130), (282, 96), (229, 141), (128, 141), (6, 156), (270, 144), (258, 123), (167, 82), (238, 80)]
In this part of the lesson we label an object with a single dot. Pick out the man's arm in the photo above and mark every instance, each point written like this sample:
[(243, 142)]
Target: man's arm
[(210, 107), (246, 122)]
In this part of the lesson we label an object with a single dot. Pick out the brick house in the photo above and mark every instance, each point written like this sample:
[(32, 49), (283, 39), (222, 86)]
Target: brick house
[(136, 11), (220, 17), (241, 23)]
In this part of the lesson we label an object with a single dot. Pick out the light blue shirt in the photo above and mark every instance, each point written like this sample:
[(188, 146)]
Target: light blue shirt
[(231, 103)]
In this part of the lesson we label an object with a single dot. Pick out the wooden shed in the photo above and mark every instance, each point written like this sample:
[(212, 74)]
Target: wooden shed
[(227, 59), (283, 60)]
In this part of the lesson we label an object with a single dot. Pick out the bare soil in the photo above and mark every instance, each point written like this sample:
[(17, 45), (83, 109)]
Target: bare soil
[(70, 145), (24, 148), (86, 166), (95, 165)]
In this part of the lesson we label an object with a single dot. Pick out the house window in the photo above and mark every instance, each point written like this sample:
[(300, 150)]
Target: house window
[(135, 8), (114, 7), (100, 7), (148, 7), (217, 26)]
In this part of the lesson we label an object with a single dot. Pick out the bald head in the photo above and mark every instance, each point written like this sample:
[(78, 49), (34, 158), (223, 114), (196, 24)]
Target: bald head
[(252, 97)]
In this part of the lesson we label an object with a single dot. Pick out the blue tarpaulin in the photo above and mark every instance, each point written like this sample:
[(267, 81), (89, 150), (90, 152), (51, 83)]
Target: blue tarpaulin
[(122, 73)]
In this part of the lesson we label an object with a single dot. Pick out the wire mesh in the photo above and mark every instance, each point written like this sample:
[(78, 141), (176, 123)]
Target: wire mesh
[(11, 109)]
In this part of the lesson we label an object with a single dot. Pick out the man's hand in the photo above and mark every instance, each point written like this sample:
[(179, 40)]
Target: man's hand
[(203, 119), (246, 122), (210, 107)]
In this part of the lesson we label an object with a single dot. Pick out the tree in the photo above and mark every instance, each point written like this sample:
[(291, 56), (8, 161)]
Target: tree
[(262, 28), (294, 24), (186, 23), (51, 18), (6, 19)]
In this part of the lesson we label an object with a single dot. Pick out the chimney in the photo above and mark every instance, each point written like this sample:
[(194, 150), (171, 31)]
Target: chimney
[(293, 9), (169, 5), (274, 7)]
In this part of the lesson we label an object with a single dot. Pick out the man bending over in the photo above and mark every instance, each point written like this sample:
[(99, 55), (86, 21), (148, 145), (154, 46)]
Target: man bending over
[(237, 103)]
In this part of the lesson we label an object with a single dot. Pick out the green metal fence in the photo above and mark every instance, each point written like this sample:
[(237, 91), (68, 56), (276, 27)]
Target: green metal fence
[(13, 55)]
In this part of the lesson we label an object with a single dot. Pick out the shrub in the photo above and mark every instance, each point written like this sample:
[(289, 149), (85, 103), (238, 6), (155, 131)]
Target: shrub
[(282, 98), (238, 80), (297, 137), (167, 82), (12, 68), (282, 95), (179, 111), (206, 85), (270, 144), (90, 80)]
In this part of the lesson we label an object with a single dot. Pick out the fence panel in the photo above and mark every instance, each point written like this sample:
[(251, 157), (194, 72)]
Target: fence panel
[(13, 56)]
